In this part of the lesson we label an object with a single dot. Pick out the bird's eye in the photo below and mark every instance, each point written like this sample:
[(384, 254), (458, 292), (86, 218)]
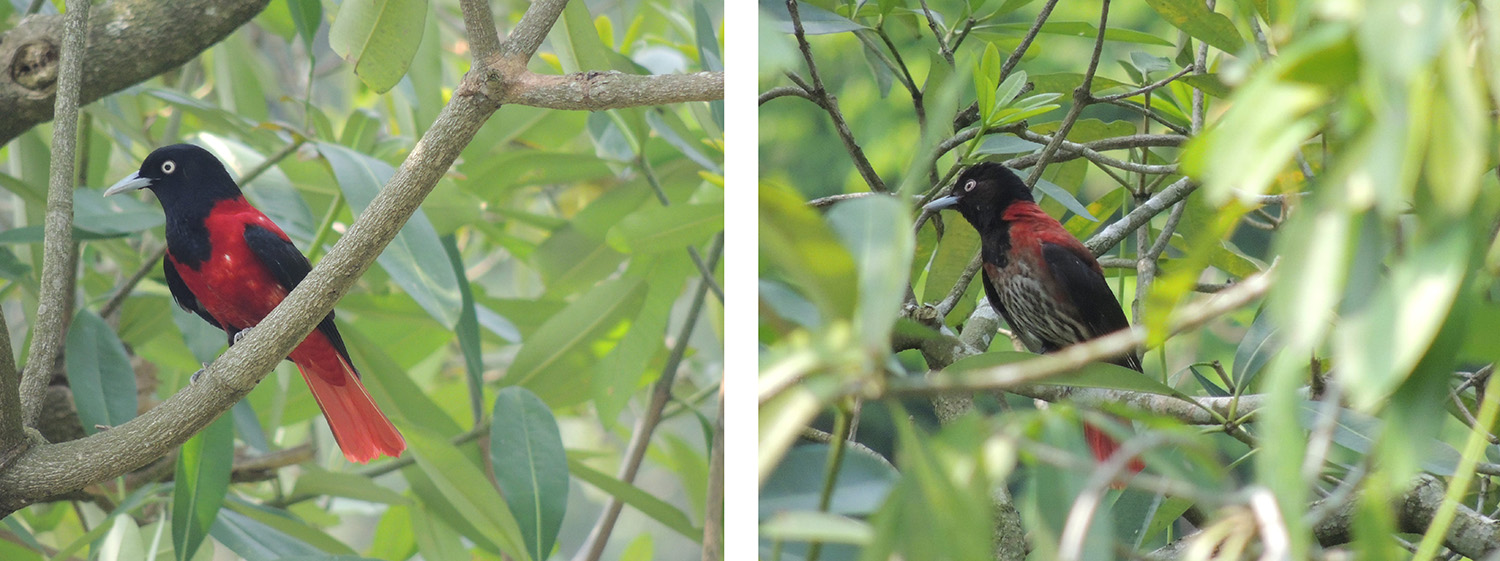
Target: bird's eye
[(168, 166), (970, 185)]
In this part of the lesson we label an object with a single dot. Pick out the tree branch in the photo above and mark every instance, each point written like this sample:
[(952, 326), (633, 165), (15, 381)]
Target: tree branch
[(1071, 358), (12, 432), (60, 256), (129, 41), (597, 91)]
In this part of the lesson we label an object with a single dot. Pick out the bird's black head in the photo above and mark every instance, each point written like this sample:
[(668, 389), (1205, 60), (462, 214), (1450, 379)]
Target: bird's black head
[(982, 193), (181, 174)]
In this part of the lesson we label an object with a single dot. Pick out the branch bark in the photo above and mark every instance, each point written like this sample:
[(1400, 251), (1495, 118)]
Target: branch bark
[(59, 255), (129, 41)]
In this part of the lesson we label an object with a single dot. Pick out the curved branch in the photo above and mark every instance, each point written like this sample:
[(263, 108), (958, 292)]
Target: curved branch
[(129, 41)]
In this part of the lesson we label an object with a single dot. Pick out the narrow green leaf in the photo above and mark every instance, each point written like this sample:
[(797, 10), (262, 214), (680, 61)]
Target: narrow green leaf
[(467, 490), (316, 481), (667, 228), (817, 526), (202, 480), (1057, 193), (253, 540), (1195, 19), (815, 20), (882, 255), (467, 330), (530, 466), (1260, 343), (647, 503), (99, 373), (415, 259), (307, 15), (379, 37), (551, 360)]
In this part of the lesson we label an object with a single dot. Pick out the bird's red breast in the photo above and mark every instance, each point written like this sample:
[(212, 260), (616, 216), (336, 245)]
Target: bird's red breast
[(233, 285)]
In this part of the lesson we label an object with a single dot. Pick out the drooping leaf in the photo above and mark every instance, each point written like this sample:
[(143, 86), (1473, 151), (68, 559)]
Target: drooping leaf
[(530, 466), (99, 373), (379, 37), (415, 259), (203, 469)]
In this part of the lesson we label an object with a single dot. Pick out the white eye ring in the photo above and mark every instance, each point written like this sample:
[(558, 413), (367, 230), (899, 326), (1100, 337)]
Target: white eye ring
[(168, 167), (967, 186)]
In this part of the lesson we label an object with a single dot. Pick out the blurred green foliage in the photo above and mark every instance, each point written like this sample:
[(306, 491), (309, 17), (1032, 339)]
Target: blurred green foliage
[(1347, 147)]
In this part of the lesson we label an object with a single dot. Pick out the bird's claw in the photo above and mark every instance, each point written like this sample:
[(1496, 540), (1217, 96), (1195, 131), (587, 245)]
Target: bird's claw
[(194, 378), (240, 335)]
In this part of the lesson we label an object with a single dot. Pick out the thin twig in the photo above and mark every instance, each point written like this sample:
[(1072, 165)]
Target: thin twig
[(713, 509), (1082, 96), (830, 104), (1144, 89), (784, 91), (640, 439)]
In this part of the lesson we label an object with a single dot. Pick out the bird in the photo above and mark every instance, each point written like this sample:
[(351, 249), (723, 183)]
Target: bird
[(228, 263), (1049, 287)]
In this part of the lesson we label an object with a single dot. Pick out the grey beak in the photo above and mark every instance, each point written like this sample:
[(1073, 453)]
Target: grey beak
[(946, 202), (132, 182)]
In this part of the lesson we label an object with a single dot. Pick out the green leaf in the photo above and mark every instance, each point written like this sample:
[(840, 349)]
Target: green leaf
[(99, 373), (986, 78), (379, 37), (1057, 193), (572, 260), (202, 480), (415, 259), (800, 244), (817, 526), (253, 540), (647, 503), (1195, 19), (467, 329), (553, 360), (530, 466), (317, 481), (667, 228), (1260, 343), (307, 15), (815, 20), (797, 484), (1360, 433), (467, 490), (882, 255)]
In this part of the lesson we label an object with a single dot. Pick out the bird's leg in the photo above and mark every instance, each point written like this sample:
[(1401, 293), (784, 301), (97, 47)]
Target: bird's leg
[(234, 339), (194, 377)]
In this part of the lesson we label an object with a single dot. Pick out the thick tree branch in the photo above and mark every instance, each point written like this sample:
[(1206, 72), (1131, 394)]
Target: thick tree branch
[(60, 256), (129, 41), (1032, 371), (596, 91), (1472, 534), (479, 22), (12, 432)]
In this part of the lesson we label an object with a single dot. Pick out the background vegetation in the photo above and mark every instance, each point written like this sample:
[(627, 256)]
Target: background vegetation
[(1295, 201), (545, 330)]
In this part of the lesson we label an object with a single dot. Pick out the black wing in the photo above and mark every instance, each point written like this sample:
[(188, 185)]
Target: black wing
[(288, 266), (1091, 297), (183, 295)]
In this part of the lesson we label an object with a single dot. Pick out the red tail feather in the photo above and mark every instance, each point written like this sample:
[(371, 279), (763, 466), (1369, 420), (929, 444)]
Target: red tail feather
[(1103, 447), (362, 431)]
